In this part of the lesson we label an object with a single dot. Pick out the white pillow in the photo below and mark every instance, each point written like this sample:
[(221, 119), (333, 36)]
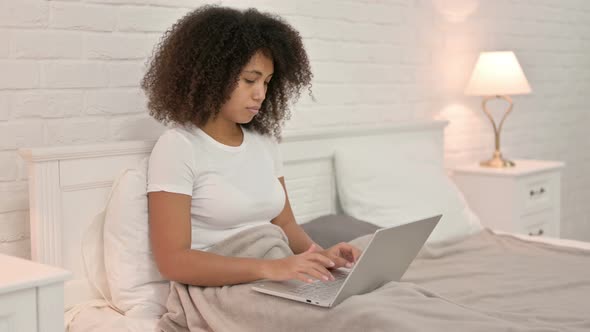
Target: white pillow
[(389, 188), (96, 286), (136, 286)]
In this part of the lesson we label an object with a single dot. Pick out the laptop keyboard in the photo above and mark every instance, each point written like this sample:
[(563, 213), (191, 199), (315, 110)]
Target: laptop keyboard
[(322, 290)]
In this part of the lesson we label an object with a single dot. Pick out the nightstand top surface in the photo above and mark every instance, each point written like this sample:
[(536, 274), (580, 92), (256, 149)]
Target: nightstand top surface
[(522, 167), (18, 273)]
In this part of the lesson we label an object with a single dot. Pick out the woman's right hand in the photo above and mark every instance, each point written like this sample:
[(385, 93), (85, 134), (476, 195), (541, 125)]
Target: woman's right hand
[(301, 267)]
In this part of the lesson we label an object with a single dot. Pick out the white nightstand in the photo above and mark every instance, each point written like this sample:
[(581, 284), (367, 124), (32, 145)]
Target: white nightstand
[(523, 199), (31, 296)]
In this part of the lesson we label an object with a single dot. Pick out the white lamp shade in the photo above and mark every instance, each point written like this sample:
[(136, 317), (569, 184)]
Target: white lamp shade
[(497, 73)]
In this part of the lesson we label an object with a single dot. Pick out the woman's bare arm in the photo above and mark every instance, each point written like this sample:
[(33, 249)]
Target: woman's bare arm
[(170, 236), (299, 241)]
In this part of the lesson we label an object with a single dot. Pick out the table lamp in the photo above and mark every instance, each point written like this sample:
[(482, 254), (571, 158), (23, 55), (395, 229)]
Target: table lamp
[(497, 75)]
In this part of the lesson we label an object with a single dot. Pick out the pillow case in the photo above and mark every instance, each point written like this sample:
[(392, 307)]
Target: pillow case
[(93, 259), (390, 189), (332, 229), (136, 286)]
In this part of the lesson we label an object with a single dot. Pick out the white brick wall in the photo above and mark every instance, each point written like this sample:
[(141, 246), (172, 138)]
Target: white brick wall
[(18, 74), (81, 16), (74, 74), (46, 44), (71, 69)]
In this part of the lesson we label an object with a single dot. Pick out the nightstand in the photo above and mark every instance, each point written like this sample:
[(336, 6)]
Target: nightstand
[(523, 199), (31, 296)]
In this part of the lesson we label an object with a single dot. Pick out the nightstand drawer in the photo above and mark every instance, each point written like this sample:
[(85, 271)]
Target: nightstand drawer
[(538, 224), (524, 199), (18, 311), (537, 193)]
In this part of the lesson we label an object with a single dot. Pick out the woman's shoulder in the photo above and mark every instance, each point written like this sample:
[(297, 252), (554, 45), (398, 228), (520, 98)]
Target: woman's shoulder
[(172, 149), (267, 143), (174, 138), (176, 133), (266, 139)]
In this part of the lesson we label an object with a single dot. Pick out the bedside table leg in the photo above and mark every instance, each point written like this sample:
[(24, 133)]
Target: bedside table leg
[(50, 308)]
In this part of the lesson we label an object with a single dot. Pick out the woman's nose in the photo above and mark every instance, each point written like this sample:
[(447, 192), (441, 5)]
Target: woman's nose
[(259, 92)]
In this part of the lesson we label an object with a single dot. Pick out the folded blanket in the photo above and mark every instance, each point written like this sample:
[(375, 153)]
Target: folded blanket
[(193, 308), (486, 282)]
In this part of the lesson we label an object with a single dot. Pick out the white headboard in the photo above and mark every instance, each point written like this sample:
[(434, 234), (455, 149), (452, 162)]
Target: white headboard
[(68, 185)]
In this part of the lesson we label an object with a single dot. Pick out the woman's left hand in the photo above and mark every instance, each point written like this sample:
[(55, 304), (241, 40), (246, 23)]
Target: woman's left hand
[(342, 254)]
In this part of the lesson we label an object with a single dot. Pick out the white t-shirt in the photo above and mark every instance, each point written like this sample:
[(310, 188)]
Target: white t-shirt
[(232, 188)]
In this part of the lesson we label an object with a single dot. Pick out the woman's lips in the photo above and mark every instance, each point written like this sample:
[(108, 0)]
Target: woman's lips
[(253, 110)]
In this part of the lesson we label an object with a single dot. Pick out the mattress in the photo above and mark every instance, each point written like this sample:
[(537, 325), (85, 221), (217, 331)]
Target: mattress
[(97, 316)]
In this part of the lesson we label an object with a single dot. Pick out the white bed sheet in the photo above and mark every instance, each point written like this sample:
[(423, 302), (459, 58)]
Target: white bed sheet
[(98, 316), (550, 240)]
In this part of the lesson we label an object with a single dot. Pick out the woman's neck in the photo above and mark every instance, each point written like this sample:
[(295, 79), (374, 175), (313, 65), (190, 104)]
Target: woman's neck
[(225, 132)]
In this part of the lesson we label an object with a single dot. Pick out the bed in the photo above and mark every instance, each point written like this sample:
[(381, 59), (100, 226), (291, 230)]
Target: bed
[(68, 186)]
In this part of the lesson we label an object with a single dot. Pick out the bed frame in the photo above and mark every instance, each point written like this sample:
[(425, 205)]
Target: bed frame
[(68, 185)]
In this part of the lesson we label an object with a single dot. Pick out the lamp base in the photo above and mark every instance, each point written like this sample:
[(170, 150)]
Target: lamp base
[(497, 161)]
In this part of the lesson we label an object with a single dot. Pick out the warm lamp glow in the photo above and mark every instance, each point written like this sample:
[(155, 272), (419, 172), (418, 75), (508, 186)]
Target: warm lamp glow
[(497, 73), (495, 76), (456, 10)]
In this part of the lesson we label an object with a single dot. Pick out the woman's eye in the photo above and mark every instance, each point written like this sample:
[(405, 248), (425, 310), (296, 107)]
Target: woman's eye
[(252, 82)]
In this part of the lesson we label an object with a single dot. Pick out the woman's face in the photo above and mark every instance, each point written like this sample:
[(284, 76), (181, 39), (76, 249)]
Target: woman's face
[(247, 97)]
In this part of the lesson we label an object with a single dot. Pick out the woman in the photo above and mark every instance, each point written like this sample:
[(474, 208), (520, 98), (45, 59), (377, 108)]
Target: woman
[(223, 78)]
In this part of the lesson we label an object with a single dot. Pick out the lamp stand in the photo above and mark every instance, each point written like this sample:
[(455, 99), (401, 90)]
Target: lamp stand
[(497, 161)]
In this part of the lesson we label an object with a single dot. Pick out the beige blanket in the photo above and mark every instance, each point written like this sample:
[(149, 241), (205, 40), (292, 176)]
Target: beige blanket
[(486, 282)]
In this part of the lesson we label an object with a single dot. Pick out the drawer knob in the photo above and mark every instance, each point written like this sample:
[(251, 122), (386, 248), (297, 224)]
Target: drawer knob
[(539, 233), (539, 192)]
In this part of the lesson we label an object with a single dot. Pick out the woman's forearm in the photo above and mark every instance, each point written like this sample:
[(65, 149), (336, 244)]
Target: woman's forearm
[(299, 241), (201, 268)]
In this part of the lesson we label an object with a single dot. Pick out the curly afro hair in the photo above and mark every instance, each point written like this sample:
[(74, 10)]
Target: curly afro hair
[(196, 66)]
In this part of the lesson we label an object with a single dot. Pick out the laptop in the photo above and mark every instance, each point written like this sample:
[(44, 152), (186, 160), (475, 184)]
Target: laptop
[(386, 258)]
